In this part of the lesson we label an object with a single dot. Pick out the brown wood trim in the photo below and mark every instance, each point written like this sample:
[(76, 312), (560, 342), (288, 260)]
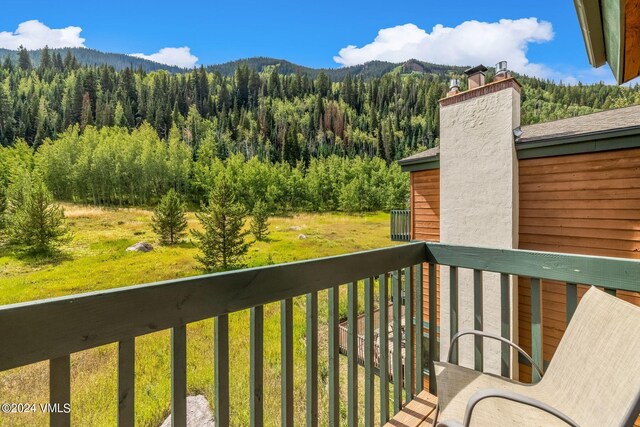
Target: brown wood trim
[(632, 40), (492, 87)]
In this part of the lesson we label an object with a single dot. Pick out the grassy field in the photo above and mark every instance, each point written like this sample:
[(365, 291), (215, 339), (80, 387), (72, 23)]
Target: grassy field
[(96, 259)]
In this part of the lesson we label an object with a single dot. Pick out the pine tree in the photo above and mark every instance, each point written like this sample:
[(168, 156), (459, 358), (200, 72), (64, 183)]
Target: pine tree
[(169, 221), (86, 116), (45, 60), (34, 220), (260, 222), (222, 242), (3, 209), (6, 118), (24, 61)]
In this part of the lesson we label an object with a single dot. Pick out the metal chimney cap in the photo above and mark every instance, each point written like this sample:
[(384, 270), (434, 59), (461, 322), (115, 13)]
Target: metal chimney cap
[(501, 67), (454, 83), (475, 70)]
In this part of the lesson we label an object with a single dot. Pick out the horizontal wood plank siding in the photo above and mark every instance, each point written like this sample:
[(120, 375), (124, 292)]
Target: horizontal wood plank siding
[(425, 224), (584, 204)]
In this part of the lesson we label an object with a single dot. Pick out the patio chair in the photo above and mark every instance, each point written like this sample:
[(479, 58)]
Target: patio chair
[(592, 380)]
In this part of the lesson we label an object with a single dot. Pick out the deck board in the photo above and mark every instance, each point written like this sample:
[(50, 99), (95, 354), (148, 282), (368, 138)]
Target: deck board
[(416, 413)]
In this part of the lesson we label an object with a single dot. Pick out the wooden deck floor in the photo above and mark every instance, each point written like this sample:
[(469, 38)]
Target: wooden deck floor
[(421, 410), (418, 413)]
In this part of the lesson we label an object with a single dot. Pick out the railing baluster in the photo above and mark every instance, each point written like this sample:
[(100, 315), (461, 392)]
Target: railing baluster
[(286, 374), (384, 347), (433, 327), (572, 300), (256, 366), (536, 327), (419, 329), (179, 376), (397, 335), (368, 351), (334, 365), (126, 382), (312, 359), (60, 390), (221, 364), (408, 215), (408, 335), (505, 325), (392, 228), (453, 311), (352, 354), (478, 318)]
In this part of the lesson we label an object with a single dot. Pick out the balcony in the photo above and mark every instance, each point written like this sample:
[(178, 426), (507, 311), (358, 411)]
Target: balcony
[(400, 225), (395, 382)]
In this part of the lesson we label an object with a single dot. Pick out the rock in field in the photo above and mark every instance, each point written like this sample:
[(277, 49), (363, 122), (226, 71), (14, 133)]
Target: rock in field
[(198, 413), (302, 236), (140, 247)]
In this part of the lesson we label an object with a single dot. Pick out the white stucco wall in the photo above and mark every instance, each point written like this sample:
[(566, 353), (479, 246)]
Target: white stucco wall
[(478, 205)]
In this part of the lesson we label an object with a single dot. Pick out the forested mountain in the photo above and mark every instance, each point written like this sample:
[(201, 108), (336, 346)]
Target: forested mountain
[(92, 57), (272, 109), (291, 137), (365, 71)]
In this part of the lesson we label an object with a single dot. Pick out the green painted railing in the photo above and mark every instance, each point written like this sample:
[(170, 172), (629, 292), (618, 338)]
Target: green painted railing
[(53, 329), (400, 225), (612, 274)]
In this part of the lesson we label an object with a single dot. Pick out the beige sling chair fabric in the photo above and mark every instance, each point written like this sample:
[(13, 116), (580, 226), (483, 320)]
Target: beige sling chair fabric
[(593, 378)]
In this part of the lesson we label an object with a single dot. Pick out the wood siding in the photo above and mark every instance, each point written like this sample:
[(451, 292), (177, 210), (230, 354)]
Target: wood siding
[(425, 220), (584, 204)]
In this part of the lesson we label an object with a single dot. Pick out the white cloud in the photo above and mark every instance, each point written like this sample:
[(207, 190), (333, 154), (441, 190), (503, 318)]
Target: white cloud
[(35, 35), (470, 43), (178, 56)]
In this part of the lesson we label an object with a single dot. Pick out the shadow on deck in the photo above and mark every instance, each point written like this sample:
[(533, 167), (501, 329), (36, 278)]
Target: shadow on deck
[(417, 413)]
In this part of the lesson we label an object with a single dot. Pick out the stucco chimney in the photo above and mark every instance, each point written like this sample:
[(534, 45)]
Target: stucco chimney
[(478, 202), (475, 76)]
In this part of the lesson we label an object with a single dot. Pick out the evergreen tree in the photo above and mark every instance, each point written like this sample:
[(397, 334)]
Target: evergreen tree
[(7, 64), (169, 221), (6, 118), (3, 209), (34, 220), (222, 241), (24, 61), (45, 60), (70, 61), (260, 221), (86, 116)]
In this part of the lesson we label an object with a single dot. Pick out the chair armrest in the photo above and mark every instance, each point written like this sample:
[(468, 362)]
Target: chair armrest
[(495, 337), (514, 397)]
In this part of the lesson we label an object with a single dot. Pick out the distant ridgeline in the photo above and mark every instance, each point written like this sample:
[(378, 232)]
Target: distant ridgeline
[(273, 108), (92, 57)]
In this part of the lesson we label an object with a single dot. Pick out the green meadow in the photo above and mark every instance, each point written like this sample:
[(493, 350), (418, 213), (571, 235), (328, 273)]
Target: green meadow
[(96, 259)]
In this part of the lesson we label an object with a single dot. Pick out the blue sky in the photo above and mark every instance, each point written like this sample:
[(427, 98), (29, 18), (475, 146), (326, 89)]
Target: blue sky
[(317, 33)]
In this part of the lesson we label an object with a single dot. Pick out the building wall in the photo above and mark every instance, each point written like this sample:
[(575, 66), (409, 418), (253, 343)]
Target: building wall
[(425, 219), (584, 204), (425, 225), (478, 201)]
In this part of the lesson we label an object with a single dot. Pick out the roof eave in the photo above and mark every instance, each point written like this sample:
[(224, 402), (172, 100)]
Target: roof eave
[(590, 18), (423, 163)]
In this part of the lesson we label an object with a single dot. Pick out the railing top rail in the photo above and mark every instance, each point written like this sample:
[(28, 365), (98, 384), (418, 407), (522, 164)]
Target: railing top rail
[(611, 273), (45, 329)]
